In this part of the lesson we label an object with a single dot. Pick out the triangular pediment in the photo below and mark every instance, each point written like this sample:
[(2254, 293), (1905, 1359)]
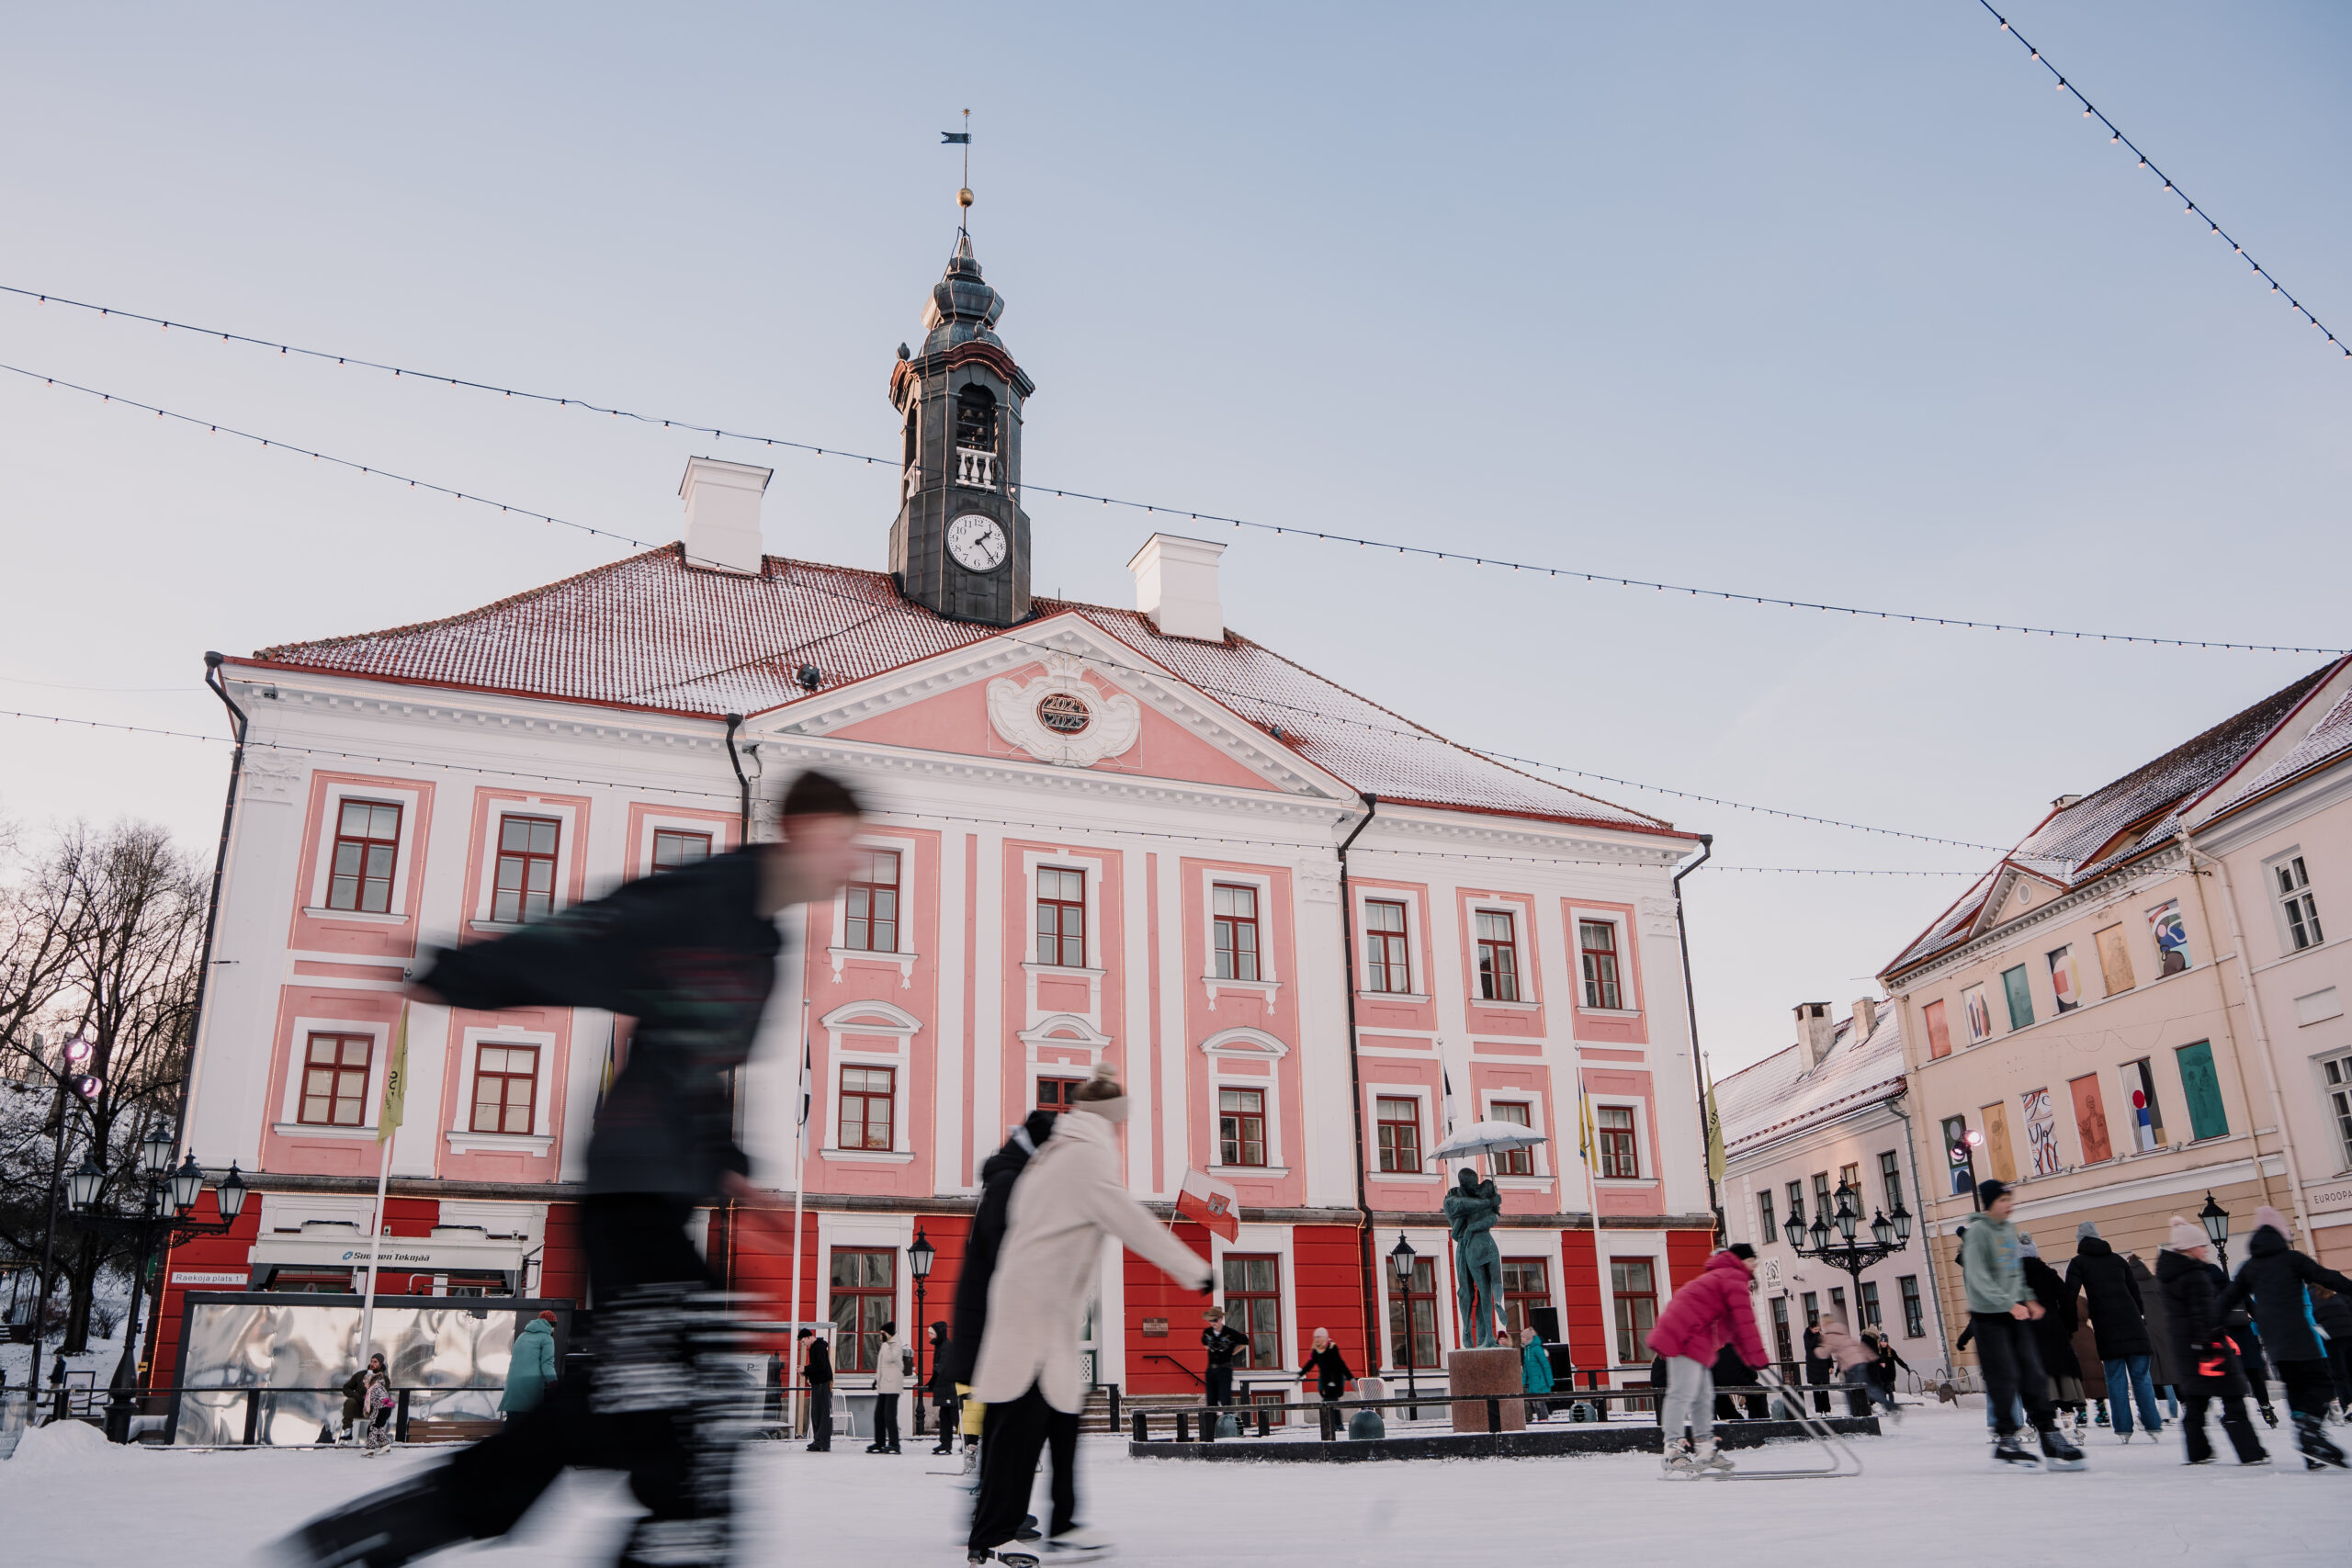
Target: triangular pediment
[(1060, 694), (2017, 891)]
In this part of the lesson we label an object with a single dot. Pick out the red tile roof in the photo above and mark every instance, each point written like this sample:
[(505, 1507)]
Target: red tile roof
[(650, 632)]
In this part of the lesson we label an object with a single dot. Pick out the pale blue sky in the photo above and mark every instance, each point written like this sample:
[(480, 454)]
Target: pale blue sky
[(1838, 301)]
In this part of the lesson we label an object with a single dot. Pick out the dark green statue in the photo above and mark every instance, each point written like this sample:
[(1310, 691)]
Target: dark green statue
[(1471, 1211)]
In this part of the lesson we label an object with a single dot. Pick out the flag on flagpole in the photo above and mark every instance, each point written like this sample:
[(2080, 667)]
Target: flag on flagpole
[(1586, 1139), (947, 137), (395, 1080), (1715, 1134), (1212, 1202)]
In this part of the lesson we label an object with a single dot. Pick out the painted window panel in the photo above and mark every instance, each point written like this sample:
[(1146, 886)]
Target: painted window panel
[(1938, 1030), (2147, 1117), (1980, 1014), (2201, 1085), (2090, 1119), (2065, 983), (2115, 959), (2172, 937), (2019, 992), (1995, 1117), (2041, 1132)]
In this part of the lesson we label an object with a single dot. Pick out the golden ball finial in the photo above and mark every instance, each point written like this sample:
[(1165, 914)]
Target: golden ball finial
[(964, 197)]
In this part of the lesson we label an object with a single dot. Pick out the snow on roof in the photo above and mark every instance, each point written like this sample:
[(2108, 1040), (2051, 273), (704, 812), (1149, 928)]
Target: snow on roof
[(2325, 740), (2078, 842), (1780, 1095), (650, 632)]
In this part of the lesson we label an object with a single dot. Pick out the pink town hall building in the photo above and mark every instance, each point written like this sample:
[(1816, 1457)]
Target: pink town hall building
[(1308, 934)]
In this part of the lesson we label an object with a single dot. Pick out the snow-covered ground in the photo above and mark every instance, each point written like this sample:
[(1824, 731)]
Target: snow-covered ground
[(1929, 1496)]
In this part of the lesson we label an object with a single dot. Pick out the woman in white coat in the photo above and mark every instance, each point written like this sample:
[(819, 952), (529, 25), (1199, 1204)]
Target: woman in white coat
[(1068, 1198), (889, 1382)]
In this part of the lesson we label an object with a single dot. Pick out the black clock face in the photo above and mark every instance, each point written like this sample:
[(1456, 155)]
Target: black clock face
[(977, 541)]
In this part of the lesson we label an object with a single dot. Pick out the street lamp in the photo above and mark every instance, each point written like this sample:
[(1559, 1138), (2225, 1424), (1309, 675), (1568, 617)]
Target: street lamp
[(920, 1257), (81, 1187), (1889, 1233), (1847, 1216), (156, 1152), (1401, 1258), (188, 1184), (2217, 1225)]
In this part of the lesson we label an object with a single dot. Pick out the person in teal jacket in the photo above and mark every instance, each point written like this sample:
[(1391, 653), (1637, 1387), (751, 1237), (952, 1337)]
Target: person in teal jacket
[(533, 1368), (1536, 1360)]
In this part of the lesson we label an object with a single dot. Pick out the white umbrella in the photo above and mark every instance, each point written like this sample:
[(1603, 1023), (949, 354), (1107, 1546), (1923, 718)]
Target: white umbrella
[(1488, 1138)]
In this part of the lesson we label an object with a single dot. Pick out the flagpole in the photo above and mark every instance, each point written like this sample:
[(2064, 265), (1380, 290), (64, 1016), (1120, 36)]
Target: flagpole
[(388, 1119), (799, 1196)]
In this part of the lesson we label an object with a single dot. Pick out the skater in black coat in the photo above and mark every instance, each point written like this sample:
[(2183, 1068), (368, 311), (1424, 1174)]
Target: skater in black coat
[(1328, 1367), (997, 1176), (2333, 1313), (2053, 1331), (2192, 1294), (2120, 1327), (942, 1387), (2273, 1281)]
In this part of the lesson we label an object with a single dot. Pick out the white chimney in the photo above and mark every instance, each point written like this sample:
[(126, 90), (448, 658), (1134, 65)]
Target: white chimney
[(1176, 586), (723, 513), (1865, 1017), (1817, 1031)]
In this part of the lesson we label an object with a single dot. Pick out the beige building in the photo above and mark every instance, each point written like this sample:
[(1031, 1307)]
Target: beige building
[(2140, 1004)]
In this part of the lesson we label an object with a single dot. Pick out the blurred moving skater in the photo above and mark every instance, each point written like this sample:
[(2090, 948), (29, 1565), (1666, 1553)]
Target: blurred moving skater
[(691, 955)]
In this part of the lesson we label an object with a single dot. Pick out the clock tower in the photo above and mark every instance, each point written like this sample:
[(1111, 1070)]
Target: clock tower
[(960, 545)]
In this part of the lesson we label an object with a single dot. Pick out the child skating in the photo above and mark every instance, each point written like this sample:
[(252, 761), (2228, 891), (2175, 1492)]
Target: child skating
[(1709, 1312)]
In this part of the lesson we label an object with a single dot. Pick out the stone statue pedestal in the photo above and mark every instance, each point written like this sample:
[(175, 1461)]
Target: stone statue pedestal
[(1471, 1375)]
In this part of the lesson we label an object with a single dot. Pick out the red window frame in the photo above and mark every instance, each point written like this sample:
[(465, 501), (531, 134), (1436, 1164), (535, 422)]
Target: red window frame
[(1621, 1150), (1633, 1290), (1498, 955), (1514, 1162), (1400, 1136), (1527, 1282), (870, 904), (1596, 953), (1417, 1302), (865, 1296), (1242, 1126), (362, 864), (1053, 1094), (675, 847), (524, 886), (1387, 955), (1061, 917), (868, 1101), (342, 1075), (511, 1073), (1253, 1305), (1234, 931)]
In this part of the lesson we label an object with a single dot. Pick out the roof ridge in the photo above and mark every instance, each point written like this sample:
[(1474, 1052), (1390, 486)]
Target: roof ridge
[(278, 650)]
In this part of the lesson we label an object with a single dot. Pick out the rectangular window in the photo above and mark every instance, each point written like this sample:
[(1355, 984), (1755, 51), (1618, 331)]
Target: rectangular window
[(1620, 1154), (1979, 1013), (1061, 918), (870, 903), (1235, 928), (1914, 1314), (1796, 1199), (2090, 1119), (1939, 1031), (2172, 937), (1994, 1119), (2147, 1119), (335, 1081), (2114, 960), (866, 1098), (2201, 1086), (1811, 1309), (1838, 1304), (1823, 1208), (525, 882), (2065, 985), (1850, 1177), (1400, 1132), (1242, 1126), (866, 1290), (1514, 1162), (1633, 1282), (1890, 1180), (675, 847), (1768, 1233), (1053, 1094), (1415, 1345), (1870, 1303), (2295, 897), (1596, 941), (1783, 1349), (2337, 1075), (506, 1082), (1497, 957), (1960, 1159), (1386, 967), (367, 845), (1253, 1306), (2041, 1132), (2020, 994), (1526, 1284)]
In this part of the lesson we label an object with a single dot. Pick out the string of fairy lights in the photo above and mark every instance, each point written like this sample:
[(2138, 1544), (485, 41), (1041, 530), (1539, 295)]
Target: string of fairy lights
[(2188, 206), (1031, 488)]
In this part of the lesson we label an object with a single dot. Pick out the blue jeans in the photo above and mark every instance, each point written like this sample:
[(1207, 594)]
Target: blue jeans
[(2127, 1380)]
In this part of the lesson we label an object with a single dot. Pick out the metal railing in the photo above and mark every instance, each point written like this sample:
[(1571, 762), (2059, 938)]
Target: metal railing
[(1331, 1415)]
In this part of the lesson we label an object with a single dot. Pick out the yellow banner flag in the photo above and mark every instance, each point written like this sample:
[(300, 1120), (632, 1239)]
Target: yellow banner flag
[(1715, 1134), (395, 1080), (1586, 1139)]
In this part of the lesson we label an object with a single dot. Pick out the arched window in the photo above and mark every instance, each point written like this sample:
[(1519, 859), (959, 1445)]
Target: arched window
[(976, 418)]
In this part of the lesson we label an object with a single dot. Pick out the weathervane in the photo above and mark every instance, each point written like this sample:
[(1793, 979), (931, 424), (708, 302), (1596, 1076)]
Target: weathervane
[(963, 139)]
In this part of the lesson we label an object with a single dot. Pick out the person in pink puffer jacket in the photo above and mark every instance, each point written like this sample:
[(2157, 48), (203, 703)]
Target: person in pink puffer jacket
[(1703, 1316)]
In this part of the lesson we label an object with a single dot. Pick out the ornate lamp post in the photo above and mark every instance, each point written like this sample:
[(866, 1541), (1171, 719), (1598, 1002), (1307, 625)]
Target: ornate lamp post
[(168, 1198), (1401, 1258), (1833, 1242), (84, 1087), (2216, 1221), (920, 1257)]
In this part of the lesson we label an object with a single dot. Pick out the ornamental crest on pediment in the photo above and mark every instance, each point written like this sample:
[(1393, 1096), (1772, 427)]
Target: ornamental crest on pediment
[(1058, 717)]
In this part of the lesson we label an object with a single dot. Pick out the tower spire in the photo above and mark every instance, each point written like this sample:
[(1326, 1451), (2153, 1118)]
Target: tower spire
[(964, 191)]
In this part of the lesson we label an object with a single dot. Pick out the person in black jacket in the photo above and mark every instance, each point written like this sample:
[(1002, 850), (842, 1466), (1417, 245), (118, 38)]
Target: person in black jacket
[(2273, 1281), (2332, 1312), (1222, 1345), (1818, 1367), (942, 1388), (998, 1174), (691, 955), (817, 1372), (2201, 1346), (1328, 1367), (2054, 1332), (2119, 1326)]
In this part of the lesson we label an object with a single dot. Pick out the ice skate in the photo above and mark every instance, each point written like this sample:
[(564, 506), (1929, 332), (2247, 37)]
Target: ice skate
[(2012, 1452), (2059, 1452), (1709, 1457), (1079, 1545), (1013, 1554), (2319, 1451), (383, 1529), (1679, 1461)]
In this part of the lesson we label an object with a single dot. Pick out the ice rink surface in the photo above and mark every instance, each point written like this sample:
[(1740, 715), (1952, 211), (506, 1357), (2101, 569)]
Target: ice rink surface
[(1929, 1496)]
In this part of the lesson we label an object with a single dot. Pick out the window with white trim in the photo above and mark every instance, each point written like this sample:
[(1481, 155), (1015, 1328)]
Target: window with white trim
[(1235, 930), (2293, 886), (870, 903), (1399, 1119), (1620, 1151), (1061, 917), (506, 1082), (1597, 953), (675, 847), (2335, 1073), (524, 888), (1498, 957), (1242, 1126), (335, 1079), (1514, 1162), (366, 851), (1387, 967), (868, 1099)]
